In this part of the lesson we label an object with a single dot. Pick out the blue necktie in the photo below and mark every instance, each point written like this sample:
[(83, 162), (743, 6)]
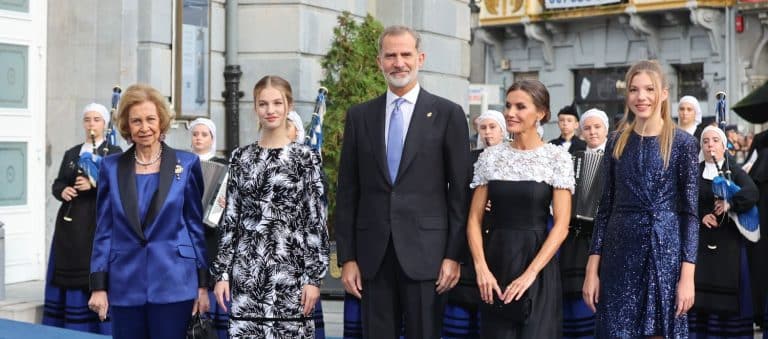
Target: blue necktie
[(395, 139)]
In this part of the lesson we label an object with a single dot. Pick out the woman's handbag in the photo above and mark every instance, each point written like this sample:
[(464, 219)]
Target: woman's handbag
[(201, 327), (517, 311)]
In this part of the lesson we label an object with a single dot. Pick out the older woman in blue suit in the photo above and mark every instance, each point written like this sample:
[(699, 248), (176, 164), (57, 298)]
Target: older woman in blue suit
[(148, 266)]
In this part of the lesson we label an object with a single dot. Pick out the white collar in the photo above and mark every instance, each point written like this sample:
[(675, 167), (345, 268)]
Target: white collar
[(710, 170), (410, 97), (206, 157), (598, 148)]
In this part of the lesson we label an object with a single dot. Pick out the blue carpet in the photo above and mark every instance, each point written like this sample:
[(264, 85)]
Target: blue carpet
[(10, 329)]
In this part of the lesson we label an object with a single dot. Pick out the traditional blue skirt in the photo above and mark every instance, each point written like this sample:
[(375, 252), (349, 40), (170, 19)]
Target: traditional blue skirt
[(219, 316), (712, 326), (68, 308), (578, 319), (460, 322)]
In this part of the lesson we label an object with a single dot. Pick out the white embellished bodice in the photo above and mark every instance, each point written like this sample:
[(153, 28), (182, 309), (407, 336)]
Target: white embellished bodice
[(548, 163)]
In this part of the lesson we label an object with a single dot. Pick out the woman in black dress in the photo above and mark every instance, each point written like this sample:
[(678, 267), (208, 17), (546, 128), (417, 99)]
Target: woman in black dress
[(515, 263), (723, 307), (66, 286)]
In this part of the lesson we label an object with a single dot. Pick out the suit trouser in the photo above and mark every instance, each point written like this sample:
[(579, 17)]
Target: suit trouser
[(391, 299), (151, 321)]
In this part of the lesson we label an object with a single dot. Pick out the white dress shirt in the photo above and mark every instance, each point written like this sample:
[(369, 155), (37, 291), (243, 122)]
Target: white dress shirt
[(406, 108)]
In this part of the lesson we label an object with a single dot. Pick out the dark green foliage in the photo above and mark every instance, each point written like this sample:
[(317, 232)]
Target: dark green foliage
[(352, 77)]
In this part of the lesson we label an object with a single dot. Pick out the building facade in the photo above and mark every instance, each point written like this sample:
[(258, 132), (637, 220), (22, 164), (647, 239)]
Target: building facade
[(581, 49), (74, 52), (23, 54)]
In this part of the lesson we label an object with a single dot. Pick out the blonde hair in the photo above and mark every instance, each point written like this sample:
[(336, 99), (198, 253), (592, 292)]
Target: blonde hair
[(653, 69), (279, 84), (138, 94)]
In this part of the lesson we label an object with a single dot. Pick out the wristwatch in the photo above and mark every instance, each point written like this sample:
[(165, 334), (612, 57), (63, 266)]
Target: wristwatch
[(225, 276)]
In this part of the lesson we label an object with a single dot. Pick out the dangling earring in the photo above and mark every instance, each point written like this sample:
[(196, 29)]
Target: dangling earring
[(539, 129), (162, 137)]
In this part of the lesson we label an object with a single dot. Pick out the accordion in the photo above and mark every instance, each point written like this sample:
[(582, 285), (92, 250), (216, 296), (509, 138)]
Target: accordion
[(589, 185), (214, 178), (574, 252)]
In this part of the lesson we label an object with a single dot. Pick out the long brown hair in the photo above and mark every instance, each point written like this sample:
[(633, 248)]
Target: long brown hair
[(653, 69), (539, 95)]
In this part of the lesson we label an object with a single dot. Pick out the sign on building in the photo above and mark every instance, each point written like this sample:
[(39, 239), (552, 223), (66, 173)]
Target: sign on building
[(553, 4)]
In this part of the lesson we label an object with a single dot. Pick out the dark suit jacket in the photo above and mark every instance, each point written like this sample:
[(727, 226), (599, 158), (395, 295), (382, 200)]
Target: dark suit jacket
[(576, 144), (424, 212), (162, 261)]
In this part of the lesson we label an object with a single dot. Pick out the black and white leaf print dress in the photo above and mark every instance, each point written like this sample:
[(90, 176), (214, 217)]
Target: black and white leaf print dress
[(273, 239)]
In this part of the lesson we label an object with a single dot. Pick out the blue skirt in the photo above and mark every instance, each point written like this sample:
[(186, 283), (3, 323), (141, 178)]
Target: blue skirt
[(219, 316), (319, 322), (578, 319), (68, 308), (353, 321), (460, 322), (702, 325)]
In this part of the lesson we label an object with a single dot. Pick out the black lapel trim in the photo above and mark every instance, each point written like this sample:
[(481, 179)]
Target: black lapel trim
[(417, 129), (168, 164), (375, 120), (126, 183)]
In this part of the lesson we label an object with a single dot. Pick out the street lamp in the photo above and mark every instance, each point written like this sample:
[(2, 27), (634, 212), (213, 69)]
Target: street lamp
[(474, 18)]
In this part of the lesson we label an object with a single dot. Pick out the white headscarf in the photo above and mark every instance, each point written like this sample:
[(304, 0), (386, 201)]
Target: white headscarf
[(87, 147), (693, 102), (498, 118), (594, 112), (720, 134), (99, 108), (212, 128), (295, 119)]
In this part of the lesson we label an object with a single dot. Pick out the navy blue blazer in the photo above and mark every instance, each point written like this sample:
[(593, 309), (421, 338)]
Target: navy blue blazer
[(162, 261)]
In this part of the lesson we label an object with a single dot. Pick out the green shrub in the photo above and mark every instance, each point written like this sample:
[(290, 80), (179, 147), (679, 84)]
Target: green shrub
[(352, 77)]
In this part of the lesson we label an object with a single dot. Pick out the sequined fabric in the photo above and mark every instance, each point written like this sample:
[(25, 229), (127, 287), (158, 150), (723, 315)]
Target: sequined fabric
[(645, 227)]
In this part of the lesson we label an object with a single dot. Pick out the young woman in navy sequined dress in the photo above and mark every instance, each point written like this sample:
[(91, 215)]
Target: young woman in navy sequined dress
[(640, 272)]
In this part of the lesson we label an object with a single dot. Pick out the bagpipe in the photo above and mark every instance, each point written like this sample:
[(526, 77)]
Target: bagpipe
[(89, 163), (720, 110), (314, 134), (723, 187)]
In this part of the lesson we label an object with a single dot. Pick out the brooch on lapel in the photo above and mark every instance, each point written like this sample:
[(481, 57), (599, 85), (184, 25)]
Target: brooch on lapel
[(178, 170), (429, 115)]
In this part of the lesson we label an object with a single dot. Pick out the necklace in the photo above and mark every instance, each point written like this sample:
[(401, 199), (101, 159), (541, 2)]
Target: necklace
[(152, 161)]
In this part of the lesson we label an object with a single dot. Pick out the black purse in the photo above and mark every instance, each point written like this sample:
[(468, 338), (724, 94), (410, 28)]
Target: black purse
[(201, 327), (517, 311)]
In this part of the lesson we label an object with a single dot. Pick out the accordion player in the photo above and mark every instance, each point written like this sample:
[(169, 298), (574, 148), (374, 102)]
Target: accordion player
[(588, 191)]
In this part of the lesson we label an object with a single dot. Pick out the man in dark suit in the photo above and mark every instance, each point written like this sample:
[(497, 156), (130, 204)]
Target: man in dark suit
[(401, 203), (568, 122)]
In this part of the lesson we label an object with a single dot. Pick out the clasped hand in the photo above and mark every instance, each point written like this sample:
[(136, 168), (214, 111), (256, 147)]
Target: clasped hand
[(488, 285)]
